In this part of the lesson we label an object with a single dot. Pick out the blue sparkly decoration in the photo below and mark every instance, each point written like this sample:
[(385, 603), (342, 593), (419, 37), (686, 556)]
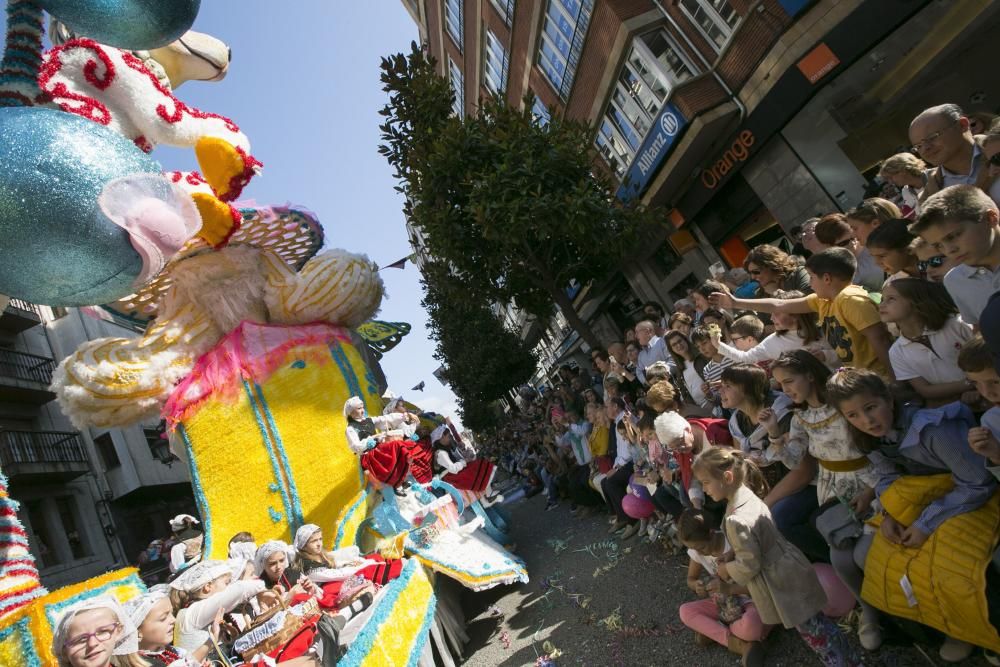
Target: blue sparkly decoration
[(57, 247), (273, 488), (127, 24), (276, 516)]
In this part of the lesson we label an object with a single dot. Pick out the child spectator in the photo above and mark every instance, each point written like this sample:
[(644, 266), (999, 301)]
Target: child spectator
[(791, 332), (889, 245), (917, 442), (930, 336), (680, 322), (712, 372), (961, 222), (726, 615), (700, 297), (908, 173), (847, 315), (979, 366), (719, 318), (781, 582), (834, 232)]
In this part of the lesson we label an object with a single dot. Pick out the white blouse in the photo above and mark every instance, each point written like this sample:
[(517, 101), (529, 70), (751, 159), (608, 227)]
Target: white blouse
[(382, 423)]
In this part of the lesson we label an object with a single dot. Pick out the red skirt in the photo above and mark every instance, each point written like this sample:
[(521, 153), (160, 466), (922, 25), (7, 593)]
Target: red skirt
[(387, 462), (420, 453), (475, 476)]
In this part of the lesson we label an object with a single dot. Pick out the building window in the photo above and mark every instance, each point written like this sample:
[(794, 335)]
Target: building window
[(506, 9), (105, 445), (453, 21), (654, 67), (540, 112), (495, 64), (457, 87), (68, 516), (563, 31), (716, 19)]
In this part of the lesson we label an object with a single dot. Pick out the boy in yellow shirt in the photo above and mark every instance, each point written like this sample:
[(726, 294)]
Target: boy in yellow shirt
[(847, 316)]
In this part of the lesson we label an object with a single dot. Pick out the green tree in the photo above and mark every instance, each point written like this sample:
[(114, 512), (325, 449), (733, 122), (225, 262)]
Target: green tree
[(514, 207), (482, 359)]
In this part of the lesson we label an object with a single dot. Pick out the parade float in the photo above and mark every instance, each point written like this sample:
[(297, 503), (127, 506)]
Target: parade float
[(251, 343)]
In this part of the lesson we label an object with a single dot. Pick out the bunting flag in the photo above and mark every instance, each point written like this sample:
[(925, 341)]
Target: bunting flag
[(382, 336)]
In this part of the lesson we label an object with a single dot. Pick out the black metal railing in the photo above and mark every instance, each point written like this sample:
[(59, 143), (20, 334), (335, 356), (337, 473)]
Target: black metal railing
[(24, 366), (41, 447), (27, 306)]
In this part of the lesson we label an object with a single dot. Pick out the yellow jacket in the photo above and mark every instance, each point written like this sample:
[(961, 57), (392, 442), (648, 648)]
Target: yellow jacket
[(947, 574)]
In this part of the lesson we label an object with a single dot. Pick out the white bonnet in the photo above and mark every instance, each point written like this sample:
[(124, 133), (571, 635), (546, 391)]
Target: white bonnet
[(138, 607), (181, 520), (265, 551), (438, 433), (351, 404), (128, 643), (303, 534), (199, 574)]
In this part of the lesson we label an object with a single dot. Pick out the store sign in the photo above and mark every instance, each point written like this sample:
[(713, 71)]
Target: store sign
[(818, 63), (731, 159), (654, 149)]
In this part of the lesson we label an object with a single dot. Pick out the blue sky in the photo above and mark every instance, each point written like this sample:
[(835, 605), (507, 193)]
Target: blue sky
[(304, 87)]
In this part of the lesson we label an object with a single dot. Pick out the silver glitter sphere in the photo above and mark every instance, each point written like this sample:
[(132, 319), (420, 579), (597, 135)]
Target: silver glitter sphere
[(56, 246)]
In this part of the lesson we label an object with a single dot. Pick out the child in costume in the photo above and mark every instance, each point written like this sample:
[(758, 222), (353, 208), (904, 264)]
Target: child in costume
[(782, 583), (416, 442), (189, 538), (333, 570), (450, 464), (90, 632), (383, 455), (153, 616)]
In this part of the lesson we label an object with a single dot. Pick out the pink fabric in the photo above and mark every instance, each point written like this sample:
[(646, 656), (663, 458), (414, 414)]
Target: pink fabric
[(839, 599), (702, 616), (250, 352)]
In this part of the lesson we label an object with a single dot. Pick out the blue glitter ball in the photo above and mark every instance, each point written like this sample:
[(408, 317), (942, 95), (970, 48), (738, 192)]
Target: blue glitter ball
[(127, 24), (56, 246)]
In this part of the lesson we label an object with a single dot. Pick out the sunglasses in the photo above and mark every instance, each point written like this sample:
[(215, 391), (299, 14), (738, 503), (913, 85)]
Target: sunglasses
[(935, 262), (844, 243), (994, 160)]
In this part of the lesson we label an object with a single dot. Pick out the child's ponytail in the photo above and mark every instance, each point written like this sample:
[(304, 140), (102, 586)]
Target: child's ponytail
[(716, 461)]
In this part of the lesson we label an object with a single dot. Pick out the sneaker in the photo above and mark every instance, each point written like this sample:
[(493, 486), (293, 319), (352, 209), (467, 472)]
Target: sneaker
[(870, 636), (955, 650), (617, 525)]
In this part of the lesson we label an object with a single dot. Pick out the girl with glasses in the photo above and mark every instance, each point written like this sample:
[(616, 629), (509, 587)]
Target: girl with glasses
[(89, 633)]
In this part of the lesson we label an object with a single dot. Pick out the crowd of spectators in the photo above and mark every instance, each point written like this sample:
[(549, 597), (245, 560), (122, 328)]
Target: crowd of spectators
[(768, 422)]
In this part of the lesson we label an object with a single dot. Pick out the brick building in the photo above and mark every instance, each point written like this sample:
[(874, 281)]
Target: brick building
[(741, 118)]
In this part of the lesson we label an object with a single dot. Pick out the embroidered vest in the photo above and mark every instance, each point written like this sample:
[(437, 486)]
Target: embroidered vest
[(365, 427)]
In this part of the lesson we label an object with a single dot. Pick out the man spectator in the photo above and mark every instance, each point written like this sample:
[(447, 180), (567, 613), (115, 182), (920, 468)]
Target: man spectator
[(653, 349), (685, 306), (811, 244), (942, 137), (654, 311)]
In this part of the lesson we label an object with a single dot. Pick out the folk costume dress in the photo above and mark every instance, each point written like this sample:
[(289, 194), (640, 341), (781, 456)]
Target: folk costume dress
[(418, 450), (350, 570), (475, 475), (388, 460)]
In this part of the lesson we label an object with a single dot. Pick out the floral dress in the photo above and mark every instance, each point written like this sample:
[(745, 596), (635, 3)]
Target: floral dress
[(843, 469)]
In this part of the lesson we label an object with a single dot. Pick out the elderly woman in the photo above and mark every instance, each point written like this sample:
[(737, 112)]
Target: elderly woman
[(384, 454), (89, 633), (775, 270)]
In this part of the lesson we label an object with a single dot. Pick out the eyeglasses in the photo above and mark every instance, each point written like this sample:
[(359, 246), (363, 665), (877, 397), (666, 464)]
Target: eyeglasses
[(935, 262), (754, 272), (932, 138), (994, 160), (736, 338), (102, 634), (845, 243)]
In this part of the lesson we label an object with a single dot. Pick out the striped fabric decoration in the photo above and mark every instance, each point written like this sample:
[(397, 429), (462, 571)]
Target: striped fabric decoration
[(19, 583), (22, 55)]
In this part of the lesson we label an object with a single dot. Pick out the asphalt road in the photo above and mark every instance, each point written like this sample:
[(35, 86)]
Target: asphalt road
[(600, 602)]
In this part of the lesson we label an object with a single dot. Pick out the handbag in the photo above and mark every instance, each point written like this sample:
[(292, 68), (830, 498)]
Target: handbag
[(838, 525)]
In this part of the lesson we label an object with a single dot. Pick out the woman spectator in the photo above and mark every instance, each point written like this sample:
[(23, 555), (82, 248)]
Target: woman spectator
[(775, 270), (690, 365), (867, 216), (740, 284), (681, 322), (908, 173)]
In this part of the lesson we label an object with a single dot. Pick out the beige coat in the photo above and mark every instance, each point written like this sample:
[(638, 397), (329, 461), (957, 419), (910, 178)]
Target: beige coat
[(781, 581)]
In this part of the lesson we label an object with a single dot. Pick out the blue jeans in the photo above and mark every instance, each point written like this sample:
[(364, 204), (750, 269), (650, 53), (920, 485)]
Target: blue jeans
[(793, 515)]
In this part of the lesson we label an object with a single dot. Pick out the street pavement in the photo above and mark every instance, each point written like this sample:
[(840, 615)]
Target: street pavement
[(594, 600)]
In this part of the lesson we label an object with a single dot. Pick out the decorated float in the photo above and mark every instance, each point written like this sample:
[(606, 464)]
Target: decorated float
[(251, 343)]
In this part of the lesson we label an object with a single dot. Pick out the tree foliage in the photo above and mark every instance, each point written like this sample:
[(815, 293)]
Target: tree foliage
[(512, 207), (482, 358)]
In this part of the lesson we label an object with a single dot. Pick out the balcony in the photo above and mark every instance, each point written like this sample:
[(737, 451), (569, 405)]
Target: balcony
[(25, 378), (36, 456), (18, 316)]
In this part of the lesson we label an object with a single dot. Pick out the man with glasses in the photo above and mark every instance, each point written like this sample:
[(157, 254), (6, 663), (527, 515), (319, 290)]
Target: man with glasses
[(942, 137)]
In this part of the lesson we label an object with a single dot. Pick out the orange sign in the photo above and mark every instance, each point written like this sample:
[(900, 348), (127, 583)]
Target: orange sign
[(818, 63), (682, 241)]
